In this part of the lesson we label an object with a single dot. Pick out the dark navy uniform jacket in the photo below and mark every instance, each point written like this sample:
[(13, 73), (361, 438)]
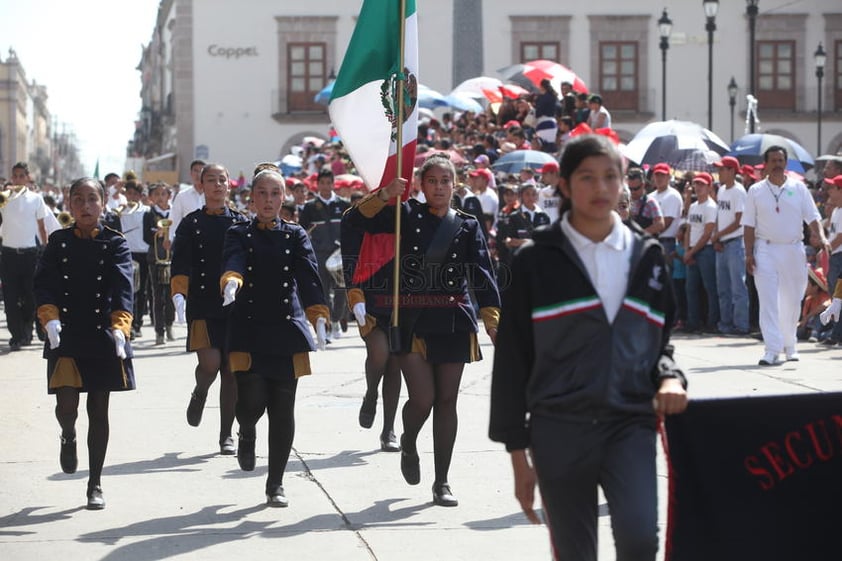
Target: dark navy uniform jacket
[(280, 280), (197, 254), (86, 279), (322, 222), (517, 225), (434, 295)]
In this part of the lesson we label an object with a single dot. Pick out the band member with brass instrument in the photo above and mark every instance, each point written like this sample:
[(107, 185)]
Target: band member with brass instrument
[(321, 217), (23, 214), (131, 225), (196, 268), (156, 226), (83, 288), (272, 284)]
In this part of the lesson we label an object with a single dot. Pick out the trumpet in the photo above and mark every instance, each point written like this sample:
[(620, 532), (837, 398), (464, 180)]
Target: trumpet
[(9, 194), (164, 225), (65, 219)]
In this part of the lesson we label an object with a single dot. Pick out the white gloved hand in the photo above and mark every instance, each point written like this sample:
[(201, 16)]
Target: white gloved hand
[(359, 313), (229, 293), (321, 334), (53, 329), (180, 305), (832, 312), (119, 342)]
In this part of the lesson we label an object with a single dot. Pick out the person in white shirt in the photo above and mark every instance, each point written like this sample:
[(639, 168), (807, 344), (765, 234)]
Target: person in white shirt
[(775, 211), (699, 255), (22, 230), (671, 203), (730, 252), (549, 196), (114, 191), (480, 180), (189, 199)]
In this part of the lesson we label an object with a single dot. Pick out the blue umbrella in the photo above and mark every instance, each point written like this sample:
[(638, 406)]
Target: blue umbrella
[(430, 99), (462, 102), (323, 97), (749, 150), (515, 161)]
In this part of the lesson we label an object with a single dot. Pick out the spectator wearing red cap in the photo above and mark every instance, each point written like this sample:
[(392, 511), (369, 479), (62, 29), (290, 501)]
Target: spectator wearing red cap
[(671, 203), (699, 255), (776, 208), (816, 299), (834, 196), (480, 179), (730, 251), (644, 210), (549, 196)]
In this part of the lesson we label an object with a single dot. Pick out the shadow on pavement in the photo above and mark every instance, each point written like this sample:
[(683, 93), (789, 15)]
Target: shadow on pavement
[(27, 517)]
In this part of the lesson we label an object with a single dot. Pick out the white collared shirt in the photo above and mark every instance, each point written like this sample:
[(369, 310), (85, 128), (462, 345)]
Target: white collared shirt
[(185, 202), (607, 262), (777, 213), (20, 219)]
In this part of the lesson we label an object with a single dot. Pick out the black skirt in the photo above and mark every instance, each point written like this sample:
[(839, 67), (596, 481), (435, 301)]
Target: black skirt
[(111, 374)]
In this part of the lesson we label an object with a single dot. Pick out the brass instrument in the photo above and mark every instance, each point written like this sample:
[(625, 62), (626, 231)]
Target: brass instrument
[(5, 196), (10, 194), (162, 259), (65, 219)]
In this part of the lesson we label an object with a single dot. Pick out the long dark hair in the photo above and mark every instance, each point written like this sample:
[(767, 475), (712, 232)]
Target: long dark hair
[(76, 185), (577, 150)]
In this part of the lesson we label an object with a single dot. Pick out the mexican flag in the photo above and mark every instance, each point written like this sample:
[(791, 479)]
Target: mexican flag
[(363, 107)]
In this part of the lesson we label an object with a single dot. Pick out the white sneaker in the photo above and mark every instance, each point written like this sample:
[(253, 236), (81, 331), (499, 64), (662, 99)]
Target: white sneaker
[(769, 359), (335, 331), (792, 355)]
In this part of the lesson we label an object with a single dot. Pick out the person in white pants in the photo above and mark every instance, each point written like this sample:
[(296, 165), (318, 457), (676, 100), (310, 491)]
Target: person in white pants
[(773, 233)]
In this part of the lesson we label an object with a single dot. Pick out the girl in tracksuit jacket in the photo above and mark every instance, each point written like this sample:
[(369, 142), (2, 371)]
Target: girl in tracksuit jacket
[(584, 367)]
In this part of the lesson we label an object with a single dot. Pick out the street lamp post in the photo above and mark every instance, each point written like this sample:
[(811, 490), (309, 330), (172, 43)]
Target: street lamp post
[(664, 29), (751, 11), (732, 101), (821, 58), (711, 8)]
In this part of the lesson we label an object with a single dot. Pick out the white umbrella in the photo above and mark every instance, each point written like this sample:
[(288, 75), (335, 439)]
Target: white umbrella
[(473, 87), (463, 102)]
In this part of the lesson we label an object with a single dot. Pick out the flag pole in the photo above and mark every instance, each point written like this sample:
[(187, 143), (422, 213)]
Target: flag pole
[(394, 332)]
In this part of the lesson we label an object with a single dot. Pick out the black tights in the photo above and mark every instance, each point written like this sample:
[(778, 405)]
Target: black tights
[(67, 410), (381, 364), (431, 387), (210, 362), (277, 398)]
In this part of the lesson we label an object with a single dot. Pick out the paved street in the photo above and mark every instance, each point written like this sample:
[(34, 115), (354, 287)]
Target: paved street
[(171, 496)]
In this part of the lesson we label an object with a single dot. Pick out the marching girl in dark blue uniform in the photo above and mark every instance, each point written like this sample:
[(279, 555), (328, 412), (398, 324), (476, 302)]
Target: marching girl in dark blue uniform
[(195, 270), (443, 252), (367, 300), (83, 290), (272, 278)]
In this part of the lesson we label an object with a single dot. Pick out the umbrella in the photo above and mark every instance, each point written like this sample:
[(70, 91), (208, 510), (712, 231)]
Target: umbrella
[(515, 161), (672, 142), (349, 180), (455, 157), (530, 74), (474, 87), (749, 150), (323, 97), (463, 102), (430, 98), (290, 164), (314, 140)]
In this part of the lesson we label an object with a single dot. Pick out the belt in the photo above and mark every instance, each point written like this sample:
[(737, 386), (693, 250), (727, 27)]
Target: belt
[(666, 239), (21, 250), (729, 240)]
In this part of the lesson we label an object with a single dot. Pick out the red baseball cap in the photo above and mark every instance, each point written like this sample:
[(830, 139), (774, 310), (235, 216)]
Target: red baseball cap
[(512, 123), (748, 171), (835, 181), (662, 168), (485, 172), (549, 167), (704, 177), (728, 162)]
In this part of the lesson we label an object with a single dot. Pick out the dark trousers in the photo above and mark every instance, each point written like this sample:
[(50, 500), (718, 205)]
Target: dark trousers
[(17, 273), (163, 310), (572, 459), (338, 305), (140, 295)]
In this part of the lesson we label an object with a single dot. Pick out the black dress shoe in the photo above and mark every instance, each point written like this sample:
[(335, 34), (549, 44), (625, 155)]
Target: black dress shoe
[(443, 496), (245, 450), (367, 411), (226, 446), (195, 408), (95, 499), (389, 443), (410, 464), (275, 496), (14, 345), (67, 457)]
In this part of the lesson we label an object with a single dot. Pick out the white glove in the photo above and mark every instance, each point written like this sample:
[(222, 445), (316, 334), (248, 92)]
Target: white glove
[(832, 311), (53, 328), (321, 334), (180, 304), (359, 313), (119, 343), (229, 293)]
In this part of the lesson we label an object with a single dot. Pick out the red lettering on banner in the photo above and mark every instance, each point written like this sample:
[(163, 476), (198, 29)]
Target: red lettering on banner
[(788, 443), (811, 429), (772, 451), (766, 481)]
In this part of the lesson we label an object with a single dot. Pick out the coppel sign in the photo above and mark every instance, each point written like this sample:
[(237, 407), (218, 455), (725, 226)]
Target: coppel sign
[(231, 52)]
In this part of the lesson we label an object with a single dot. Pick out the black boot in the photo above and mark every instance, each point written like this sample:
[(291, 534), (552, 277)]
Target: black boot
[(67, 457), (245, 449)]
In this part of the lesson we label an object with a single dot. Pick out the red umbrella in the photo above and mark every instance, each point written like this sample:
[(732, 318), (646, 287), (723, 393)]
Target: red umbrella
[(455, 157), (530, 74)]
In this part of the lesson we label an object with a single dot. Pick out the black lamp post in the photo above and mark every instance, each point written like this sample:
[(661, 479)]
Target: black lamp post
[(664, 29), (732, 101), (821, 58), (711, 8), (751, 12)]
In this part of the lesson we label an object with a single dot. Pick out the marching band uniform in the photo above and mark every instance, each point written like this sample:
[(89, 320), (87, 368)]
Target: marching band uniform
[(131, 225), (518, 224), (157, 261), (269, 342)]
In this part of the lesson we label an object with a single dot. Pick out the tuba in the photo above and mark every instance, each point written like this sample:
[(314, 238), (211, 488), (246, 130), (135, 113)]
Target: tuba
[(162, 254), (65, 219)]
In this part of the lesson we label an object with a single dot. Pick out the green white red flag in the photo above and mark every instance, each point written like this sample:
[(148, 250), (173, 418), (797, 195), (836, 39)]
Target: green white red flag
[(363, 105)]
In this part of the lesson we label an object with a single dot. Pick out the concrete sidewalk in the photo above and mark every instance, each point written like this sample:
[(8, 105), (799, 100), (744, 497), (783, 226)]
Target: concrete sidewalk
[(171, 496)]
